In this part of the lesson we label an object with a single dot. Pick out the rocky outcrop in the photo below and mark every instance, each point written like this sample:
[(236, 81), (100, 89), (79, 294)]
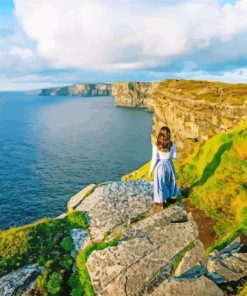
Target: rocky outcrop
[(80, 196), (194, 110), (114, 204), (199, 287), (80, 89), (159, 253), (230, 263), (193, 257), (80, 240), (20, 281), (133, 94)]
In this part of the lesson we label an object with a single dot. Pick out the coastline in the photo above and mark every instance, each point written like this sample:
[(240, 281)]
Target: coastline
[(194, 236)]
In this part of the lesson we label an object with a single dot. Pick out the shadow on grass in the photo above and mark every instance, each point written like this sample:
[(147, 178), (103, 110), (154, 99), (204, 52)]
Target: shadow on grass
[(212, 166), (208, 170)]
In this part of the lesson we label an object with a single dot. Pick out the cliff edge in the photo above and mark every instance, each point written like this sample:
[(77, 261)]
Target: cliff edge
[(194, 110), (79, 89), (111, 241)]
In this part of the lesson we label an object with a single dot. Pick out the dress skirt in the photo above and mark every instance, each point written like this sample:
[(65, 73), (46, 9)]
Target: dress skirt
[(164, 185)]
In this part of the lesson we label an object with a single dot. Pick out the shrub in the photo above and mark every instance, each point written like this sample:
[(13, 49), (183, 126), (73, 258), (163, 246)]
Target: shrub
[(54, 283), (67, 243)]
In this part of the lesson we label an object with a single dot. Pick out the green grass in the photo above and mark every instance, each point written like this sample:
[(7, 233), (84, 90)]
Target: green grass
[(179, 257), (140, 173), (81, 281), (46, 242), (215, 175), (208, 91), (217, 182), (243, 292)]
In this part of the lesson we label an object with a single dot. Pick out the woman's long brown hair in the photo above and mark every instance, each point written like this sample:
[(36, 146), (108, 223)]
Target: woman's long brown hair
[(163, 140)]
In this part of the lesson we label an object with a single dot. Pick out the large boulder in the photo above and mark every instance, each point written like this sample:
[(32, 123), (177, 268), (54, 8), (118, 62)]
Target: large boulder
[(19, 281), (194, 257), (199, 287), (143, 258), (230, 263), (76, 199)]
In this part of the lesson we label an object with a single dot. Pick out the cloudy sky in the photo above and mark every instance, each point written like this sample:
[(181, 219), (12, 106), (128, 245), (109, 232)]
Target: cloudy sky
[(58, 42)]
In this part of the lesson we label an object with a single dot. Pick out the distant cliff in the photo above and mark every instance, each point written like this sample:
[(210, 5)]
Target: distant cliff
[(133, 94), (80, 89), (194, 110)]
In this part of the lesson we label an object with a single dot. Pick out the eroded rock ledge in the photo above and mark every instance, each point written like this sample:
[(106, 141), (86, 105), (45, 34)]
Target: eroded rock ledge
[(159, 253), (194, 110)]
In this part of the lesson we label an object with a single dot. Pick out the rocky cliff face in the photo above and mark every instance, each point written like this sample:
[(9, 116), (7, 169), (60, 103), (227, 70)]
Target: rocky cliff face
[(81, 89), (133, 94), (194, 110)]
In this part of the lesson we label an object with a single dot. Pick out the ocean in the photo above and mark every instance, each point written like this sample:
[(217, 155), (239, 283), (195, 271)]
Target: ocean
[(53, 146)]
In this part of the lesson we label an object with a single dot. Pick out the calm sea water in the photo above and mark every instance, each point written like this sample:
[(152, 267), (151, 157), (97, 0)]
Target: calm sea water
[(52, 147)]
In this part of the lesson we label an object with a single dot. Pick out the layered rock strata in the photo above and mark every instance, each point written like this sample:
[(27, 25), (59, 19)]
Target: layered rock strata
[(194, 110)]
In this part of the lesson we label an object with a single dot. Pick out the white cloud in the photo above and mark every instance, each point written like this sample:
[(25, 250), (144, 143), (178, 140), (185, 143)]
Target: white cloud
[(120, 35), (23, 53), (34, 81), (234, 76)]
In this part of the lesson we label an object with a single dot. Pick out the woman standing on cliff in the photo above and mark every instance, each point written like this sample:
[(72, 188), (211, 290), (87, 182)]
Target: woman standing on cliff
[(164, 150)]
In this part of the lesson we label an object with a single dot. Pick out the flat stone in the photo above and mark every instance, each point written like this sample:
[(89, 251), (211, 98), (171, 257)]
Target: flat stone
[(193, 273), (79, 197), (115, 203), (160, 219), (62, 216), (19, 281), (194, 257), (199, 287), (233, 247), (142, 258), (229, 263), (236, 265), (80, 240), (220, 267), (241, 256), (215, 277)]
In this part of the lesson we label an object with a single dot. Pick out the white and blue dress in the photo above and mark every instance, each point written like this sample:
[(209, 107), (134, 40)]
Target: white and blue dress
[(164, 185)]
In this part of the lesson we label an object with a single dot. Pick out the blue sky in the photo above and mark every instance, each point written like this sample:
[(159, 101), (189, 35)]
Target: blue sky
[(58, 42)]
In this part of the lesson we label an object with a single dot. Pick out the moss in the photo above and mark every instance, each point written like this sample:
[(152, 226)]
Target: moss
[(214, 176), (76, 219), (140, 173), (45, 242), (92, 189), (81, 281), (243, 292), (179, 257)]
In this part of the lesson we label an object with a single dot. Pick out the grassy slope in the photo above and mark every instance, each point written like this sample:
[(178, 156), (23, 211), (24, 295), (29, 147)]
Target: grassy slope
[(213, 92), (45, 242), (215, 174)]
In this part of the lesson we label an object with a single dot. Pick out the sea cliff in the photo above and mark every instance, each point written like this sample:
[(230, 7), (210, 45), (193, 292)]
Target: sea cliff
[(194, 110), (79, 89), (111, 240), (134, 94)]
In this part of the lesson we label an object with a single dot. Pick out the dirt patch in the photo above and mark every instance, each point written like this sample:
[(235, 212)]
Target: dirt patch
[(205, 224)]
